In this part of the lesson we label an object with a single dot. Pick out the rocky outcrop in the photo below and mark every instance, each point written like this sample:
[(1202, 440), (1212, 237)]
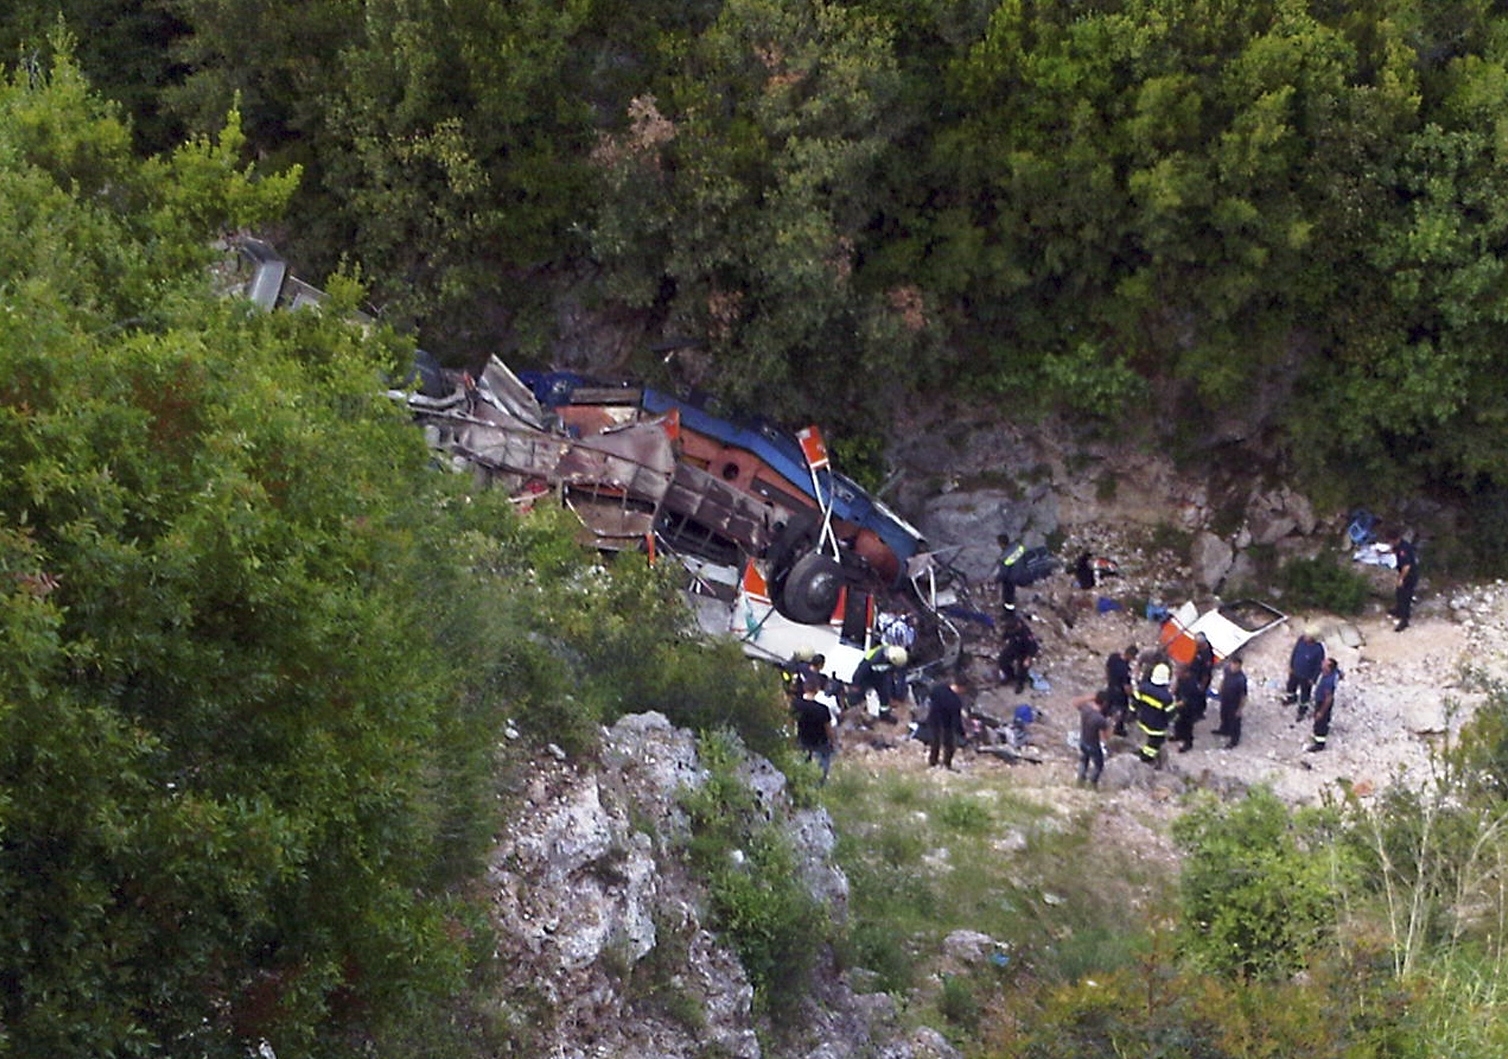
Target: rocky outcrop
[(601, 926), (583, 894), (1044, 485), (1210, 560)]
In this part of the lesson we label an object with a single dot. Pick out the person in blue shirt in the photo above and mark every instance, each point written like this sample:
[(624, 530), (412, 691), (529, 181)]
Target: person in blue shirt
[(1324, 704), (1232, 702), (1304, 669)]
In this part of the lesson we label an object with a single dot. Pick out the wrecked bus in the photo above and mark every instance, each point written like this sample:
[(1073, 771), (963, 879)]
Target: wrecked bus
[(779, 550)]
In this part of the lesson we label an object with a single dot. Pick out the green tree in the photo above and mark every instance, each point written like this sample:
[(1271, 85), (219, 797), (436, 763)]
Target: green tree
[(124, 47), (217, 756), (737, 199), (1423, 399)]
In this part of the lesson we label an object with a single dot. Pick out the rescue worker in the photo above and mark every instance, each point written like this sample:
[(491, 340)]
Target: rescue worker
[(1232, 702), (1005, 572), (1191, 705), (882, 671), (1304, 669), (1121, 687), (1154, 710), (1406, 557), (1324, 703), (1018, 650), (1203, 664), (945, 710)]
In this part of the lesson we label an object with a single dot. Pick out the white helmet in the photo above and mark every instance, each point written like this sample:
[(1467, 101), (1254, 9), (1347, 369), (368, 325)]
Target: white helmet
[(1161, 674), (804, 653), (896, 656)]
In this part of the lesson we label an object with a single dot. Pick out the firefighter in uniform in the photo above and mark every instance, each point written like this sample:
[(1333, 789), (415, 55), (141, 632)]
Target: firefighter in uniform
[(1010, 555), (1154, 710), (882, 671)]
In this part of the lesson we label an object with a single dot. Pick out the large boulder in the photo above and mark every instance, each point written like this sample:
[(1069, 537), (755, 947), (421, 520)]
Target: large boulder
[(966, 524), (1211, 559)]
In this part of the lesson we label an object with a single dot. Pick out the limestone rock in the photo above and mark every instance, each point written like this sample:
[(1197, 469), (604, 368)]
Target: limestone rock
[(1211, 559)]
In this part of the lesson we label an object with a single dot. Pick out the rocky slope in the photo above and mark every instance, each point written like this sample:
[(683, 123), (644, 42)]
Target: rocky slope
[(602, 929), (602, 942)]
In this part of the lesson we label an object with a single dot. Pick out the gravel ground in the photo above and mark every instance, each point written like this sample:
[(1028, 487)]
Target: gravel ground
[(1402, 697)]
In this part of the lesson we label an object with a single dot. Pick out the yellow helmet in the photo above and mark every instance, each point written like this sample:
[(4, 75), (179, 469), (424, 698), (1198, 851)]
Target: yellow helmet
[(896, 656)]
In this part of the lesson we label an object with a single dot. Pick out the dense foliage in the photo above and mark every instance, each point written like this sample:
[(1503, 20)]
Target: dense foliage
[(1322, 583), (1282, 218), (256, 653), (1259, 894)]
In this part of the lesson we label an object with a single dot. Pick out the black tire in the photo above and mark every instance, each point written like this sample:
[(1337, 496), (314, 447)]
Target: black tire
[(811, 588)]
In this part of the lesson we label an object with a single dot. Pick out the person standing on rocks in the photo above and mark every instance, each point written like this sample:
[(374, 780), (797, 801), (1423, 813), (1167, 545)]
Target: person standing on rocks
[(1407, 559), (1232, 702), (1203, 664), (1304, 669), (1093, 721), (1119, 685), (1154, 708), (945, 721), (1005, 570), (1324, 703)]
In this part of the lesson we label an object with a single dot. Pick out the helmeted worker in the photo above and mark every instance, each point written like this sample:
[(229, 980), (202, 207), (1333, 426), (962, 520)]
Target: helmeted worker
[(883, 671), (1154, 711)]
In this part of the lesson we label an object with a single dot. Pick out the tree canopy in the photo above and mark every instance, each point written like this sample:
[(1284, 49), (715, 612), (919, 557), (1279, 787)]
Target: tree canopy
[(1280, 218), (255, 651)]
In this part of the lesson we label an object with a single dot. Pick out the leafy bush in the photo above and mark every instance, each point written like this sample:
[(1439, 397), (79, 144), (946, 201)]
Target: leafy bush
[(1087, 381), (958, 1004), (575, 642), (1257, 892), (1323, 584)]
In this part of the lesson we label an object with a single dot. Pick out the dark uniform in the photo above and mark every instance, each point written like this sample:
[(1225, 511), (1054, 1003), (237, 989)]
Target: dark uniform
[(1154, 709), (1303, 670), (1232, 702), (945, 719), (1324, 703), (1408, 580), (1202, 665), (1191, 701), (1118, 687), (1018, 649)]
